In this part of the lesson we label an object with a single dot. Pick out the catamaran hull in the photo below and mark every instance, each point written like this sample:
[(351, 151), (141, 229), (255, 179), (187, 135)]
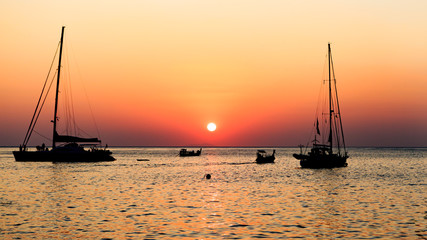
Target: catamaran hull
[(326, 161), (52, 156)]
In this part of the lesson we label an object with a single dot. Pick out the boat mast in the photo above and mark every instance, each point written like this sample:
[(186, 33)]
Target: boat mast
[(57, 90), (330, 99)]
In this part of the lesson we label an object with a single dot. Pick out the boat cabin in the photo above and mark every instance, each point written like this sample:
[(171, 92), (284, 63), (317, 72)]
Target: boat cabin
[(320, 150)]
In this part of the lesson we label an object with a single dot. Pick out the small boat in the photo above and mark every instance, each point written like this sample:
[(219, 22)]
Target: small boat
[(142, 160), (330, 151), (184, 153), (263, 157), (69, 150)]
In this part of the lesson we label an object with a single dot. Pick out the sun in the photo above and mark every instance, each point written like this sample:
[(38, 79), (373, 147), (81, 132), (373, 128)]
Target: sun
[(211, 127)]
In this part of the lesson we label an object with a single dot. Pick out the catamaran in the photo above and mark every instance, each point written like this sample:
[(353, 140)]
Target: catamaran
[(71, 148), (330, 151)]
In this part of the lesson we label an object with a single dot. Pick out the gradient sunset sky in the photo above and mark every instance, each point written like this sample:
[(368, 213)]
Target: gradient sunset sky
[(157, 72)]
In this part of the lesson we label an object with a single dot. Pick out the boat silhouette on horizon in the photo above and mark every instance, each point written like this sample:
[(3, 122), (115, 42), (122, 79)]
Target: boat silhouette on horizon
[(185, 153), (263, 157), (330, 150), (71, 148)]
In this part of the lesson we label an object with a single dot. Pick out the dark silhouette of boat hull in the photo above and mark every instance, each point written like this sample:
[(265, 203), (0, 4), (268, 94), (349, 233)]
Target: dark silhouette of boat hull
[(30, 156), (184, 153), (63, 156), (262, 157), (321, 161), (269, 159)]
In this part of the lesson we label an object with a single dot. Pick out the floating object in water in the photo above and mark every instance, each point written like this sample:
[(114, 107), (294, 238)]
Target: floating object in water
[(331, 153), (143, 160), (184, 153), (71, 149), (263, 157), (240, 225)]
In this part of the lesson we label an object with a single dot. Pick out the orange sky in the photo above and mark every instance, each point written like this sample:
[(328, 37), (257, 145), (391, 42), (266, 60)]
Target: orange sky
[(157, 72)]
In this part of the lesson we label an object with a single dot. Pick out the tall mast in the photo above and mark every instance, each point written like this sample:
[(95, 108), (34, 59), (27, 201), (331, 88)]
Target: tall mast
[(57, 90), (330, 98)]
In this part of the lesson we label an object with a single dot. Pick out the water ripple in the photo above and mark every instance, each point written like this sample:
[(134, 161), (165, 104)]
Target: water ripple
[(379, 195)]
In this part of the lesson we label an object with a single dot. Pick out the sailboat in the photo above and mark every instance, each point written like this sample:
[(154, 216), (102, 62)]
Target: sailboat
[(330, 151), (65, 148)]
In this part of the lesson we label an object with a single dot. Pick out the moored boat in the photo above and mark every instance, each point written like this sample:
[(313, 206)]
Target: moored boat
[(330, 151), (263, 157), (185, 153), (65, 148)]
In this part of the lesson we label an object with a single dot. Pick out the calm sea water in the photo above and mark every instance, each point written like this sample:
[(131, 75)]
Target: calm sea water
[(381, 194)]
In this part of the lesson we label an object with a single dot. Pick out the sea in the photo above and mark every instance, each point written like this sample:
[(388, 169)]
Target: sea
[(152, 193)]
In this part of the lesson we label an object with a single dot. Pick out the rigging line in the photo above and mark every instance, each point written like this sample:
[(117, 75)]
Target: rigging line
[(338, 105), (88, 101), (38, 114), (73, 124), (92, 115), (308, 141), (87, 96), (65, 104), (319, 105), (323, 101), (64, 110), (81, 130), (336, 133), (42, 136), (84, 89), (336, 126), (319, 96), (28, 134)]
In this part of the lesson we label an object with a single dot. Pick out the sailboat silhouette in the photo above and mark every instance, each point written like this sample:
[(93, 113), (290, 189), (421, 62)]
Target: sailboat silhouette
[(333, 152), (70, 150)]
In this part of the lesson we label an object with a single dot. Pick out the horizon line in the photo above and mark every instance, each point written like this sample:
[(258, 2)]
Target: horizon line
[(204, 146)]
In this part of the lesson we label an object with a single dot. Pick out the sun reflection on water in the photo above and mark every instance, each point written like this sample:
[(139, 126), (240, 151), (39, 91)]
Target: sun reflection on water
[(170, 197)]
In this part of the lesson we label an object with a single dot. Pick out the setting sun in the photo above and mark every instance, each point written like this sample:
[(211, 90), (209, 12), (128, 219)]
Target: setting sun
[(211, 127)]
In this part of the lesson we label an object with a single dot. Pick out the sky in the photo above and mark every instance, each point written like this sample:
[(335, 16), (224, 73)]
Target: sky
[(156, 72)]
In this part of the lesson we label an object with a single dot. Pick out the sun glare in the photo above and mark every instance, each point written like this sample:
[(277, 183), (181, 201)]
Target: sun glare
[(211, 127)]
